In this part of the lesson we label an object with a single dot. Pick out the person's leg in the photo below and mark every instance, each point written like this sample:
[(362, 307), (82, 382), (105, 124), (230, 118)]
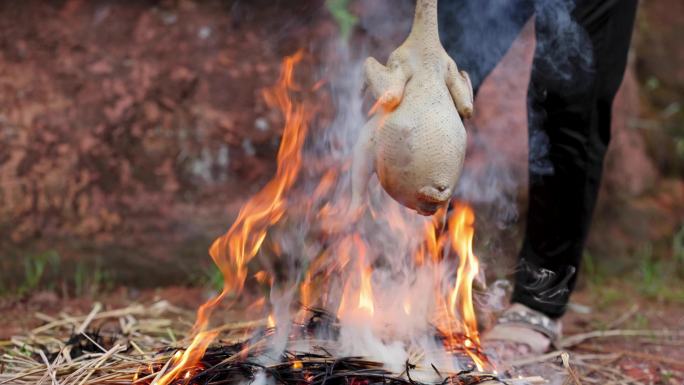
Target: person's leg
[(575, 75), (477, 34)]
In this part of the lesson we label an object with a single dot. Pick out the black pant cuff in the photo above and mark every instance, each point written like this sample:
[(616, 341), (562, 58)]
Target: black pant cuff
[(552, 310)]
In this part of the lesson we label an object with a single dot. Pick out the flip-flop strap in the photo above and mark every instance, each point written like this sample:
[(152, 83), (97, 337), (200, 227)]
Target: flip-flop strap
[(531, 319)]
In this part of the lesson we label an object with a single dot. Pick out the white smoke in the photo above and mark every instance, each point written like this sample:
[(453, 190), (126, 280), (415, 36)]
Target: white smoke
[(404, 294)]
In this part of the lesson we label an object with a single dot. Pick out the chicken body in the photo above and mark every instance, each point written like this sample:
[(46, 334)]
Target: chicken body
[(416, 140)]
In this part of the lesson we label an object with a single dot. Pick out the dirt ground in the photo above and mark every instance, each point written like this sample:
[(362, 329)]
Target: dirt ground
[(645, 360), (130, 132)]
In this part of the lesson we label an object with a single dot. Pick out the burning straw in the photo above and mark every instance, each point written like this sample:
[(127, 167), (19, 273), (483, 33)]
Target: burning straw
[(136, 345), (138, 352)]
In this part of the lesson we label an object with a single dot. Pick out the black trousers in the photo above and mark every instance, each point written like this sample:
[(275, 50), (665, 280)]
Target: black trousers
[(579, 61)]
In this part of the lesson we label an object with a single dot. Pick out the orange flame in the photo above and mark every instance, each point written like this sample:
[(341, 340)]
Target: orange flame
[(461, 298), (305, 294), (366, 273), (365, 287), (366, 292), (232, 251)]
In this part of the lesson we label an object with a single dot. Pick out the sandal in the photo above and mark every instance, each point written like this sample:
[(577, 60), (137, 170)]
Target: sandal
[(521, 331)]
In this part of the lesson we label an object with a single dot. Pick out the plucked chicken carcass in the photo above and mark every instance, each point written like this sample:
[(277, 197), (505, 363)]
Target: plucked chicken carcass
[(415, 140)]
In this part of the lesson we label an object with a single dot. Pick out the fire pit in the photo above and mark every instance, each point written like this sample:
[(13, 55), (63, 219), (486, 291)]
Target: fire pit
[(318, 363)]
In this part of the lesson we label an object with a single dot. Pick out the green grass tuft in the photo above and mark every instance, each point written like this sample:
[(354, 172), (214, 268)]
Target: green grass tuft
[(339, 9)]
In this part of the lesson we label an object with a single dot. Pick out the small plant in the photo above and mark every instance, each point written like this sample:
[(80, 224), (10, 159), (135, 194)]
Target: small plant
[(47, 271), (678, 250), (652, 279), (609, 296), (658, 278), (208, 277), (91, 280), (214, 278), (592, 270), (339, 9), (79, 279), (35, 269)]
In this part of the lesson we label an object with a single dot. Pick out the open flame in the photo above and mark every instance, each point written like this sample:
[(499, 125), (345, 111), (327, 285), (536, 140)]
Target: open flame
[(233, 251), (344, 272), (461, 298)]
